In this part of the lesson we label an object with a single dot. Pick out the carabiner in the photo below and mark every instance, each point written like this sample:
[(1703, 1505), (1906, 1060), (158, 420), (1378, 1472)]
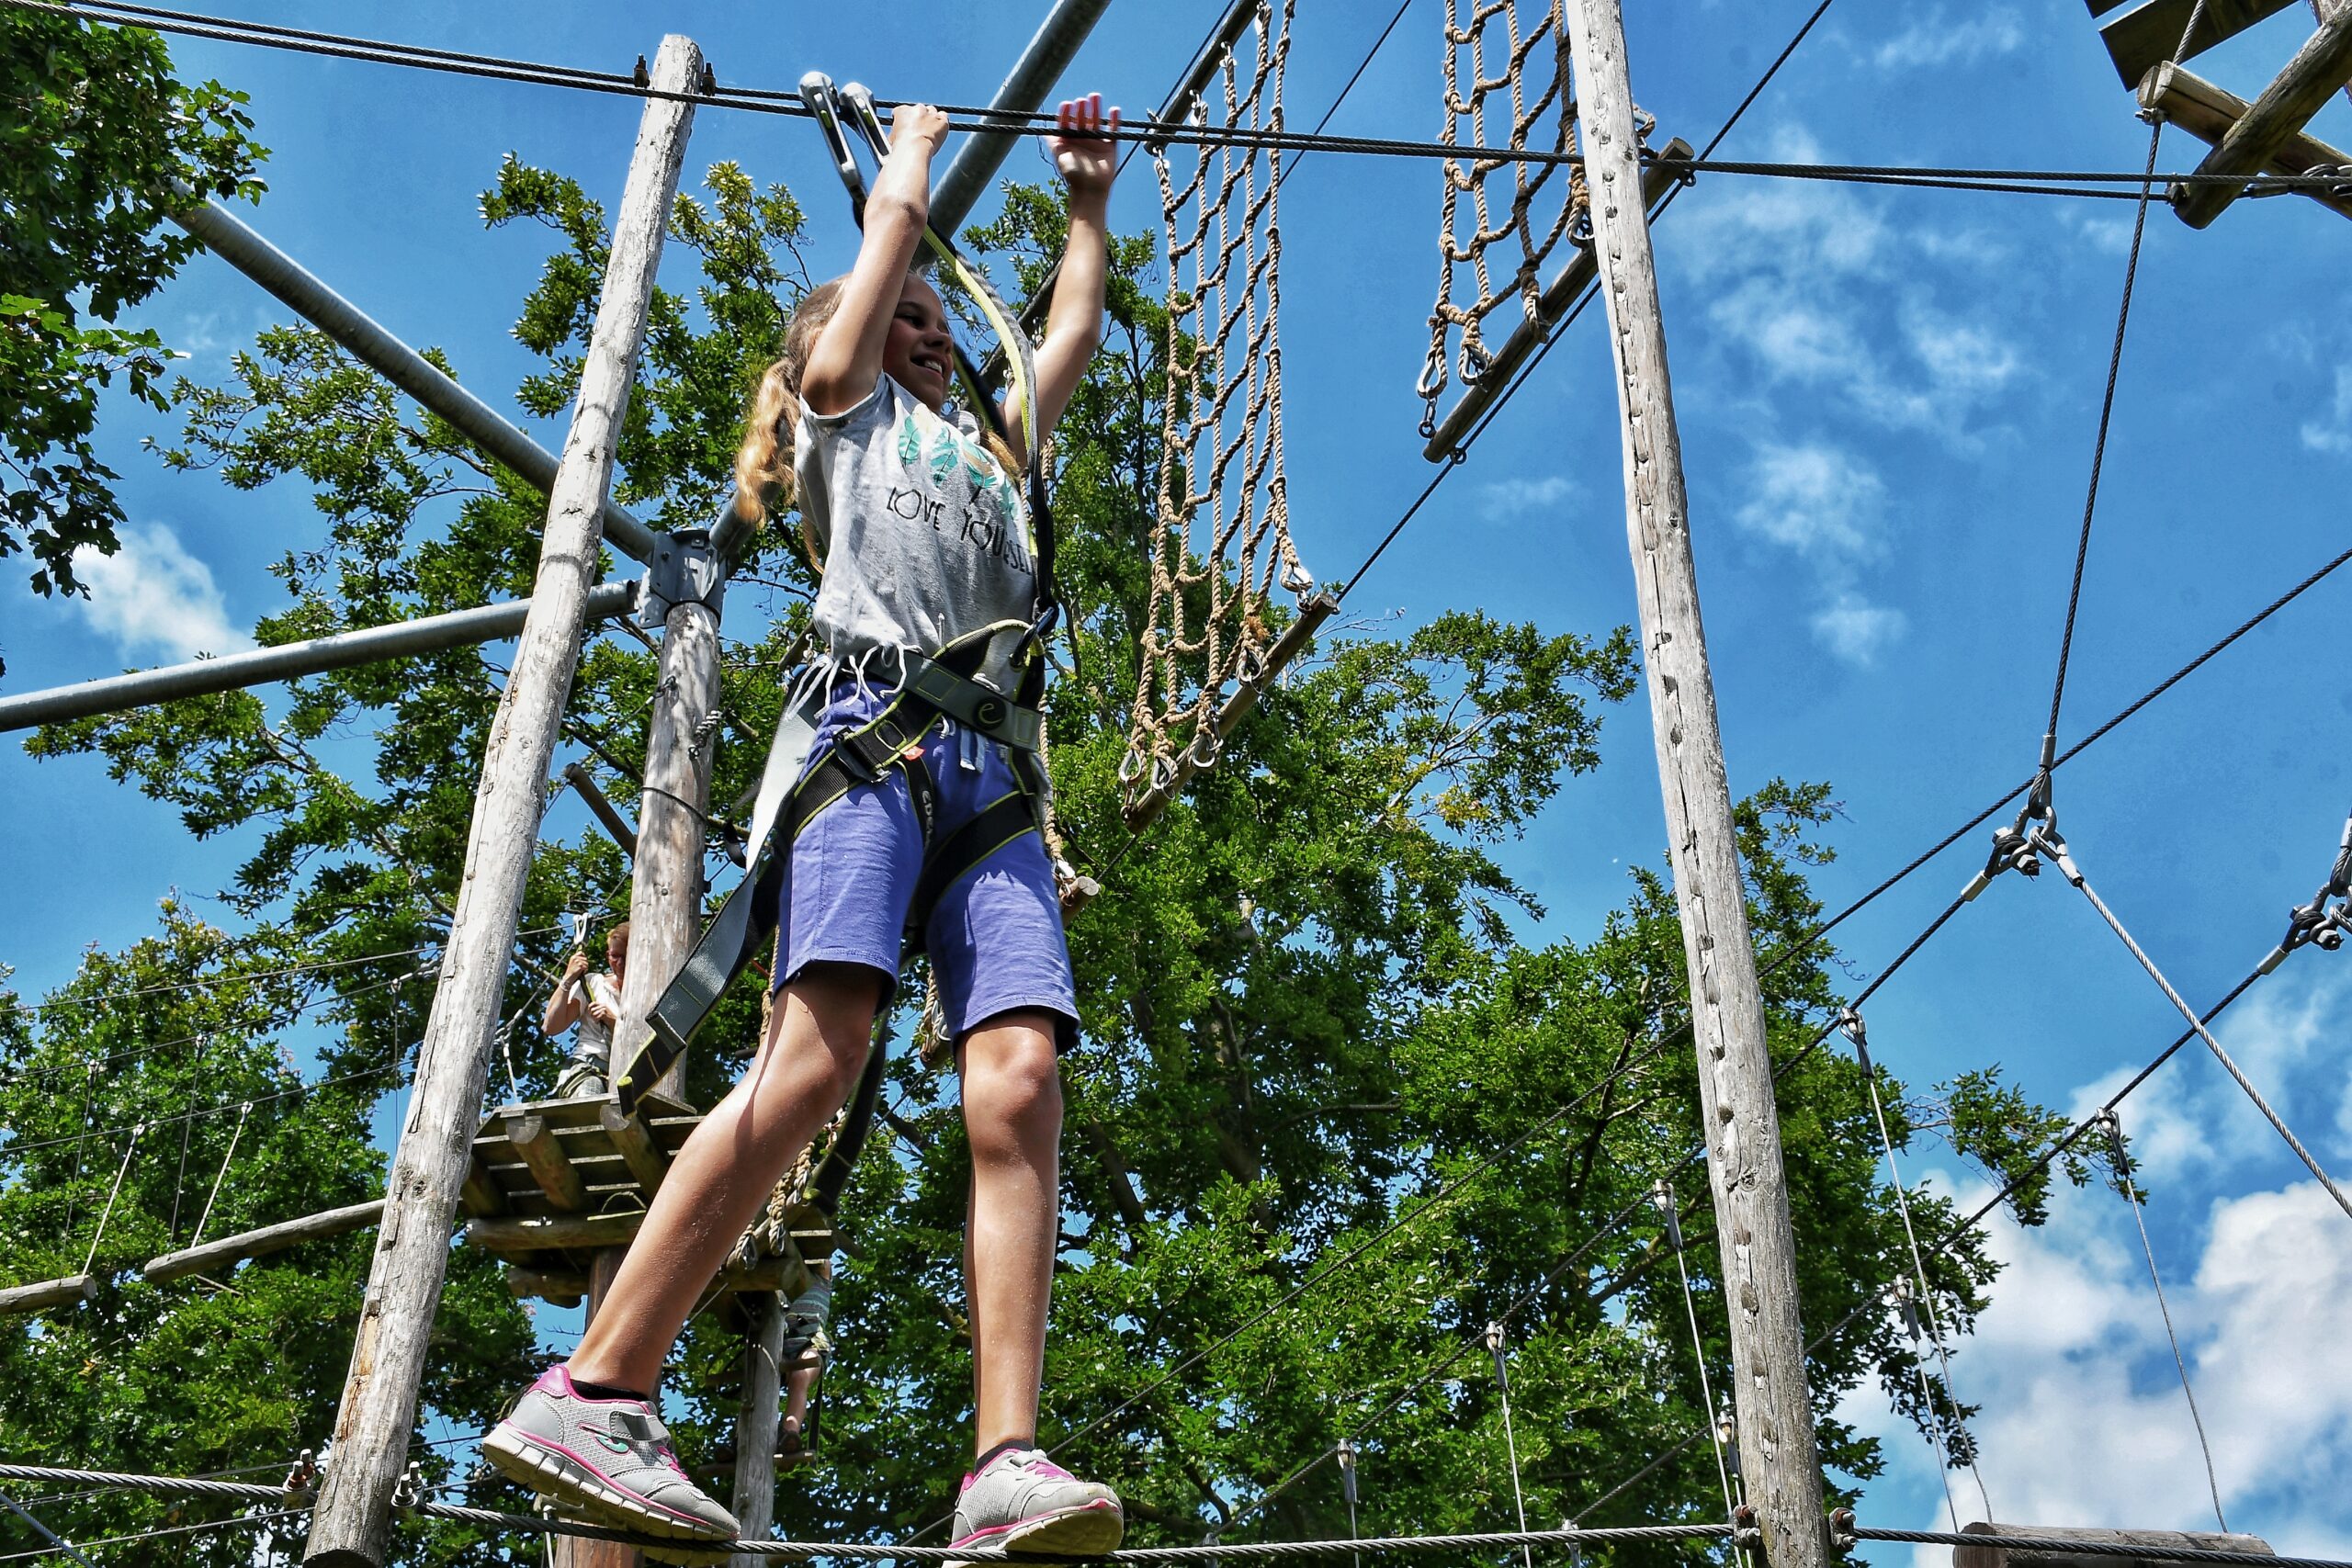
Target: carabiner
[(824, 106)]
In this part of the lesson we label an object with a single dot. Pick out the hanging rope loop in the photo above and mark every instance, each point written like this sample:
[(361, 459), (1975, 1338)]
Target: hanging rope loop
[(1220, 537)]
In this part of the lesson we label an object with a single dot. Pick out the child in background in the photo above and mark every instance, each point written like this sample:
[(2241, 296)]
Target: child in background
[(594, 1002)]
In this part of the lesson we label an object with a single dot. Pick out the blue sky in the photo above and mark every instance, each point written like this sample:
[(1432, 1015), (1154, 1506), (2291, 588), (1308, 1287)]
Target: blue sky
[(1887, 402)]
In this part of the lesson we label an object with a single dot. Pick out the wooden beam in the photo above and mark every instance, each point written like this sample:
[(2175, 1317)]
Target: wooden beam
[(481, 1194), (2207, 112), (563, 1287), (575, 1232), (636, 1144), (261, 1243), (2276, 118), (2157, 1542), (2326, 11), (46, 1293), (755, 1427), (601, 806), (531, 1138), (2210, 111), (351, 1526), (1780, 1457), (2144, 38)]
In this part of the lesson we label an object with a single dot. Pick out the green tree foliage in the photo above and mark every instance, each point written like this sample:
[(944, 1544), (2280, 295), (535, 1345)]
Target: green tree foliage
[(99, 142), (1333, 1114)]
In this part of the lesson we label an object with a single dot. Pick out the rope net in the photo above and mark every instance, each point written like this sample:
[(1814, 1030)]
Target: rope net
[(1221, 533), (1546, 120)]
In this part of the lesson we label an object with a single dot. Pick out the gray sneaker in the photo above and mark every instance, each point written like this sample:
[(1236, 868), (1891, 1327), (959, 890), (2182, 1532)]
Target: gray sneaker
[(1022, 1501), (609, 1460)]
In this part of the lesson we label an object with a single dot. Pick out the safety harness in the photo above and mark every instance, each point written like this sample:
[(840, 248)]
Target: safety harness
[(933, 690)]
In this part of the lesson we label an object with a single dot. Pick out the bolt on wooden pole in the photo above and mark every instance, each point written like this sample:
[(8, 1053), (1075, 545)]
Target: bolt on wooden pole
[(1775, 1417), (351, 1526)]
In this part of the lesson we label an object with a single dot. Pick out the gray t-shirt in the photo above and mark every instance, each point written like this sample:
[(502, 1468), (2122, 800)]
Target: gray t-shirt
[(922, 533)]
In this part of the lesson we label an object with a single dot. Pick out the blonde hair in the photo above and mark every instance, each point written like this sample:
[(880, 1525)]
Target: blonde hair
[(764, 464)]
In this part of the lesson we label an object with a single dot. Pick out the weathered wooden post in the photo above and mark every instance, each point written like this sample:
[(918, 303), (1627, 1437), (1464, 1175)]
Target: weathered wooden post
[(755, 1428), (1776, 1435), (351, 1526)]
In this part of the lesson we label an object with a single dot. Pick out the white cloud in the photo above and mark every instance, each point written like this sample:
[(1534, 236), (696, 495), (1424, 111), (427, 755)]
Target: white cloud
[(1931, 39), (1505, 501), (1820, 294), (152, 596), (2334, 434), (2083, 1419), (1858, 631), (1826, 504), (1817, 500), (2190, 1121)]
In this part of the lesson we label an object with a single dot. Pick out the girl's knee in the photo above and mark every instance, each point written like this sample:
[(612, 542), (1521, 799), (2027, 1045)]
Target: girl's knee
[(1012, 1075)]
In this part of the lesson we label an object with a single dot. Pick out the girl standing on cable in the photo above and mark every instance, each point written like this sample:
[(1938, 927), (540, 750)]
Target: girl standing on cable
[(914, 510)]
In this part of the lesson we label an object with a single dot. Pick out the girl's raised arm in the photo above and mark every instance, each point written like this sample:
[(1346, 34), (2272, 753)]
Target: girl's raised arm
[(1089, 161), (846, 359)]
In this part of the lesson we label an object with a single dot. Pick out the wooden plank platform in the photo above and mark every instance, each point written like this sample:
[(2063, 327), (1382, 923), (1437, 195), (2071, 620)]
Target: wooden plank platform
[(2207, 112), (2140, 40), (555, 1181), (573, 1157)]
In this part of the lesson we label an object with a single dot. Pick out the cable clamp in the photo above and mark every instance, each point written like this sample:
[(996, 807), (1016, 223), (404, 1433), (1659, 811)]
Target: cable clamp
[(409, 1491), (1906, 1304), (1841, 1530), (1746, 1533), (2015, 847), (2045, 839), (301, 1476), (2011, 852), (1662, 1199)]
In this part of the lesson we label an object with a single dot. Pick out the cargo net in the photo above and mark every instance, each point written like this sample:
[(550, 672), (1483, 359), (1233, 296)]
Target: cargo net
[(1547, 199), (1220, 537)]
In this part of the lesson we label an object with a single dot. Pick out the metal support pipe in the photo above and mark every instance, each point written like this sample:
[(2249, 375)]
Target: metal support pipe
[(1238, 16), (1025, 87), (202, 677), (236, 242)]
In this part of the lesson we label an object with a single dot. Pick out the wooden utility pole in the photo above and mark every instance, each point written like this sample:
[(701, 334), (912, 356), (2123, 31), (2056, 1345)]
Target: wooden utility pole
[(351, 1526), (755, 1428), (1782, 1462)]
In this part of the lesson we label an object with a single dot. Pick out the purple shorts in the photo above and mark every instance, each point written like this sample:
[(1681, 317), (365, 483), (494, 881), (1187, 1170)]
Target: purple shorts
[(995, 936)]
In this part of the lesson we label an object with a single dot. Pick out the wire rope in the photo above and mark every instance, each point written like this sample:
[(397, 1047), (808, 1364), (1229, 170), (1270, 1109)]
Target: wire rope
[(1663, 1196), (2172, 1337), (965, 117), (57, 1542), (1362, 66), (2073, 873), (1851, 1022)]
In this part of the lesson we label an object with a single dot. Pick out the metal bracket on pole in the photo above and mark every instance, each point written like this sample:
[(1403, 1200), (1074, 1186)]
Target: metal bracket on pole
[(682, 569)]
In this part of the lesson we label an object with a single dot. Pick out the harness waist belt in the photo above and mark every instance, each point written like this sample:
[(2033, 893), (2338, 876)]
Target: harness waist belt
[(968, 702)]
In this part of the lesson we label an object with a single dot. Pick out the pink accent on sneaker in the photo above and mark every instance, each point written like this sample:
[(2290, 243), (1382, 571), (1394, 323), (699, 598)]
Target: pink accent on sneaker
[(989, 1532), (560, 1379)]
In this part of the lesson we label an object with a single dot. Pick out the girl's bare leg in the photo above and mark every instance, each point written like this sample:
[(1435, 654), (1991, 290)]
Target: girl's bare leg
[(817, 1035), (1012, 1115)]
